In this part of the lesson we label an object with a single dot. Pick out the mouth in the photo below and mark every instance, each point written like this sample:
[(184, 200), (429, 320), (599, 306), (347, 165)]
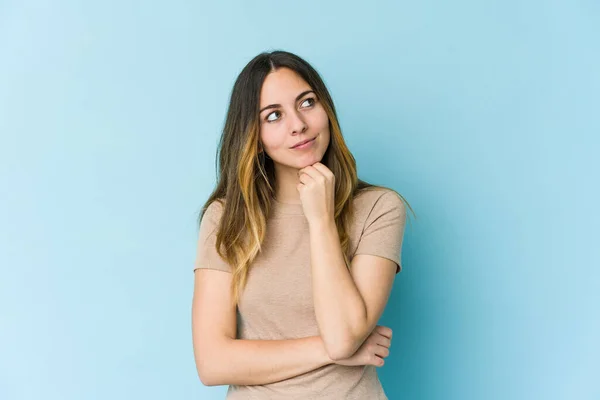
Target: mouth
[(303, 142)]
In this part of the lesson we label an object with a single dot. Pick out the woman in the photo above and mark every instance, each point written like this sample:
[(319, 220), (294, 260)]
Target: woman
[(296, 256)]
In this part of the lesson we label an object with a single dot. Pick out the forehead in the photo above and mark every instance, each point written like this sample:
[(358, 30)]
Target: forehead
[(280, 86)]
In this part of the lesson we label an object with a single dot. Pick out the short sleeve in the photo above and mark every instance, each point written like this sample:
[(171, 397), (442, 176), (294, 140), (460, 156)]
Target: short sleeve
[(383, 230), (206, 252)]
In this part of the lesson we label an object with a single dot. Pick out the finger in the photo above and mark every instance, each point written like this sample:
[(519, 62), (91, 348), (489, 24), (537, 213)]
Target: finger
[(323, 170), (311, 171), (304, 178), (384, 330), (382, 351), (384, 341)]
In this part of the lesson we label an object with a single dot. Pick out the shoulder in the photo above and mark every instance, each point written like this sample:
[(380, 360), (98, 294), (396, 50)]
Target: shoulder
[(379, 198), (379, 206), (214, 210), (211, 215)]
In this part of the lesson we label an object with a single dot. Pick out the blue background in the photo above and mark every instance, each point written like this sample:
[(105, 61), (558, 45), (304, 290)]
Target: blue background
[(483, 114)]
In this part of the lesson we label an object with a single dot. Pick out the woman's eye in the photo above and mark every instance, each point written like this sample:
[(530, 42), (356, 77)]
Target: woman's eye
[(277, 112), (271, 120), (311, 99)]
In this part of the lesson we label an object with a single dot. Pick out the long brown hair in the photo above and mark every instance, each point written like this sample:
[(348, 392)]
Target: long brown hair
[(246, 177)]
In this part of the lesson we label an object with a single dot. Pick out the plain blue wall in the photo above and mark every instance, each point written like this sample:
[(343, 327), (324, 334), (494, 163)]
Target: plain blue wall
[(483, 114)]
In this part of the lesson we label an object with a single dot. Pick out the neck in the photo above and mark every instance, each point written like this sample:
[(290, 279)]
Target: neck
[(286, 179)]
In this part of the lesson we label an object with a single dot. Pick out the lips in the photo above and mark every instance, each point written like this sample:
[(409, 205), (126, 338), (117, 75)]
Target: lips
[(302, 142)]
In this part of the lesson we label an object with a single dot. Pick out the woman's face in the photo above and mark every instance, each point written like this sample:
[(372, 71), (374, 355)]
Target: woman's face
[(287, 119)]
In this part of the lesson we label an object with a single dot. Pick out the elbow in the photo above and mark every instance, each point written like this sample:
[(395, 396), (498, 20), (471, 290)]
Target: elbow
[(337, 355), (206, 380), (205, 377), (343, 344), (339, 348), (209, 365), (209, 378), (207, 373)]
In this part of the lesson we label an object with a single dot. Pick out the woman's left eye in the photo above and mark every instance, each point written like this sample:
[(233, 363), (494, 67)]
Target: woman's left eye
[(310, 98)]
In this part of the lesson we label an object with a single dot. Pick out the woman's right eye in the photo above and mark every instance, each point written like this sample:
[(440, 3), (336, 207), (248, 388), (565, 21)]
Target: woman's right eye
[(271, 120)]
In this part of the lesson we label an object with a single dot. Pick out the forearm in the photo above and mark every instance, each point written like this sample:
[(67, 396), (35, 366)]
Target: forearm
[(259, 362), (339, 307)]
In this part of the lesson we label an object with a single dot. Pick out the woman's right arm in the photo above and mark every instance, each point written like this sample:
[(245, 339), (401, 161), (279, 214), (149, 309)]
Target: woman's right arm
[(221, 359)]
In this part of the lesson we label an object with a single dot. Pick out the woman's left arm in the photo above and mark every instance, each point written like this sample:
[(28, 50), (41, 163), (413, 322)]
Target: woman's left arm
[(348, 302)]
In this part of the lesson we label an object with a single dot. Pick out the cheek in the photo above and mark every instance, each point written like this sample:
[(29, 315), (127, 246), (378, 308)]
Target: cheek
[(271, 138), (321, 121)]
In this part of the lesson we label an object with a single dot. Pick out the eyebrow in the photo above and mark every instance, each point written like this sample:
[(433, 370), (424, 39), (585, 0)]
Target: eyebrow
[(279, 105)]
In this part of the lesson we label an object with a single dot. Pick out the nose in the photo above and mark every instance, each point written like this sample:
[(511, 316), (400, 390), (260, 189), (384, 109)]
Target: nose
[(297, 123)]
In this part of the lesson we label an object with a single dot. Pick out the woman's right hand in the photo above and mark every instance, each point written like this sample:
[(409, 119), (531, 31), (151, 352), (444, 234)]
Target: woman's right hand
[(373, 350)]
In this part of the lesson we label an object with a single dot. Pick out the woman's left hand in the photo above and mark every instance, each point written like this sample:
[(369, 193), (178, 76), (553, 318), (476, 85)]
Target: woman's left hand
[(317, 192)]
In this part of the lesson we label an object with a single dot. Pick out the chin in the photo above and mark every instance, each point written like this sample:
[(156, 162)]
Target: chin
[(304, 161), (310, 160)]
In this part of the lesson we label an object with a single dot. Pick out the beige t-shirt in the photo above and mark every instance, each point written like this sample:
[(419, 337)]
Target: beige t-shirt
[(277, 301)]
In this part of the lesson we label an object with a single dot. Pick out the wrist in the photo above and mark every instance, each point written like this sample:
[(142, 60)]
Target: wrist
[(322, 223)]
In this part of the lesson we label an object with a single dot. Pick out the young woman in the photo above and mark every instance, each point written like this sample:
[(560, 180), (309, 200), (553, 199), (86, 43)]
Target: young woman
[(296, 256)]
